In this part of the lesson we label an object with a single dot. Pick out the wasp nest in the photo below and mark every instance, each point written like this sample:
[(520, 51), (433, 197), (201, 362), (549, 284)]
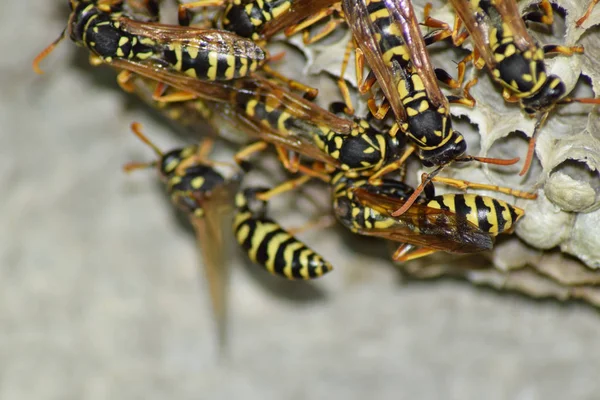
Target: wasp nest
[(564, 173)]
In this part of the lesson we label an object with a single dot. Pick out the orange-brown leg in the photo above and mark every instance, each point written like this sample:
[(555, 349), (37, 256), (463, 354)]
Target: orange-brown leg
[(463, 185), (407, 252), (587, 14)]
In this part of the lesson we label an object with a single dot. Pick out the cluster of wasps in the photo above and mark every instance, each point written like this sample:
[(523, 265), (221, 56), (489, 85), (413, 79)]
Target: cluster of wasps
[(206, 66)]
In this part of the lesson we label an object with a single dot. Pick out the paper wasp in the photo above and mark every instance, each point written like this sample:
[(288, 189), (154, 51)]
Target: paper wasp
[(512, 56), (261, 19), (454, 223), (269, 245), (203, 190), (204, 54), (388, 36), (291, 123)]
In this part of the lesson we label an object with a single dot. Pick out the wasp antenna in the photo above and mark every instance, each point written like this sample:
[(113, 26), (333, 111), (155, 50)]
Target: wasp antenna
[(44, 53), (531, 148), (136, 128), (487, 160), (132, 166), (584, 101), (425, 180)]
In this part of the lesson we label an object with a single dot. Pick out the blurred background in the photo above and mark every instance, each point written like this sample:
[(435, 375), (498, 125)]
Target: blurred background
[(101, 294)]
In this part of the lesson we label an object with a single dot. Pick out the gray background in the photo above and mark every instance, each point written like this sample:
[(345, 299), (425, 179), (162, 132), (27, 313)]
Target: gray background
[(101, 296)]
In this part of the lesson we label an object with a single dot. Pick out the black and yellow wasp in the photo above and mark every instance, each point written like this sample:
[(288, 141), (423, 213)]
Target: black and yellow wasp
[(274, 115), (388, 36), (261, 19), (514, 59), (204, 54), (454, 223), (203, 190)]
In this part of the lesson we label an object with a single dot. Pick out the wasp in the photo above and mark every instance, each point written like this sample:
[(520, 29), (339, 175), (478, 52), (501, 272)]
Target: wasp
[(268, 244), (454, 223), (203, 190), (512, 56), (261, 19), (200, 53), (290, 122), (388, 36)]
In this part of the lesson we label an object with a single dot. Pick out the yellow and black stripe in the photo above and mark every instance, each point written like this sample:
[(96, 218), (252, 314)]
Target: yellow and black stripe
[(363, 149), (203, 54), (426, 123), (247, 18), (491, 215), (272, 247)]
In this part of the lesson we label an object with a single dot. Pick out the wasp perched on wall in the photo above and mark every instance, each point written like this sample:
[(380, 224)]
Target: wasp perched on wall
[(512, 56), (204, 54)]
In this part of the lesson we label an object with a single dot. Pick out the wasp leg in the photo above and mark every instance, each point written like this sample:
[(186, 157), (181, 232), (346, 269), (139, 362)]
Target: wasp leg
[(95, 60), (183, 14), (445, 78), (544, 15), (341, 82), (124, 81), (392, 166), (291, 163), (564, 50), (466, 99), (283, 187), (173, 97), (407, 252), (241, 157), (310, 93), (458, 37), (326, 30), (587, 14), (509, 97), (463, 185)]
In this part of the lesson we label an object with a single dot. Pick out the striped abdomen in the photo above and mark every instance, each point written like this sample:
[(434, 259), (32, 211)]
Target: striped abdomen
[(272, 247), (487, 213), (222, 59)]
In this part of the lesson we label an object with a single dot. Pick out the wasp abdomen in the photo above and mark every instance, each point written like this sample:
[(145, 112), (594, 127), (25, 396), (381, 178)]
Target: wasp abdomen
[(272, 247), (487, 213)]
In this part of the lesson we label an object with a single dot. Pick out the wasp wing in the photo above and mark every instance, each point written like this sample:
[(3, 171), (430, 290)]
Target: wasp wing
[(478, 29), (365, 36), (298, 11), (424, 226), (402, 14), (509, 12), (227, 91), (213, 234), (205, 39)]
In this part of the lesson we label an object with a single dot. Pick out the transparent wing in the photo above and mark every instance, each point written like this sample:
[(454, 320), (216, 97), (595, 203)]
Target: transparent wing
[(299, 10), (478, 30), (403, 15), (424, 226), (204, 39), (214, 235), (365, 35)]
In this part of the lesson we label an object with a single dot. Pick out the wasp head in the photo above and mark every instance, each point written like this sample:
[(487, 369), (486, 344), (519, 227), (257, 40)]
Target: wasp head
[(544, 99), (451, 150)]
